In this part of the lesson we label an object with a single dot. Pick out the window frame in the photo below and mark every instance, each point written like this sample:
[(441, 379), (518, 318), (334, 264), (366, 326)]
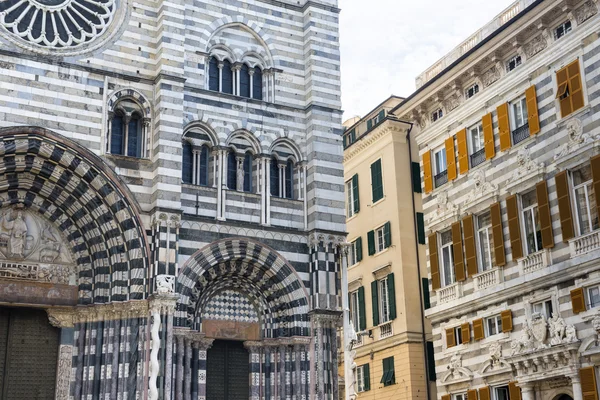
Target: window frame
[(588, 297), (355, 309), (458, 335), (495, 392), (518, 61), (490, 238), (534, 212), (474, 88), (459, 396), (566, 30), (380, 241), (588, 187), (450, 247), (436, 170), (544, 307), (437, 115), (522, 102), (360, 379), (350, 211), (380, 160), (497, 318), (384, 301), (390, 373)]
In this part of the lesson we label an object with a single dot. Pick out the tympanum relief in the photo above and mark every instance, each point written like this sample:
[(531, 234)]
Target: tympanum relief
[(31, 248)]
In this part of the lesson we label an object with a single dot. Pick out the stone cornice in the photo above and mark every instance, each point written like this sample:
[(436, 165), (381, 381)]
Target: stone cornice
[(375, 135), (66, 317)]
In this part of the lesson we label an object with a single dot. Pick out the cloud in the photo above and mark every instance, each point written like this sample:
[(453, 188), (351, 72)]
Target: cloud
[(385, 44)]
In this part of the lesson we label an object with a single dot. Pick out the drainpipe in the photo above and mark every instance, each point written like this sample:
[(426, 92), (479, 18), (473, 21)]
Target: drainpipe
[(424, 336)]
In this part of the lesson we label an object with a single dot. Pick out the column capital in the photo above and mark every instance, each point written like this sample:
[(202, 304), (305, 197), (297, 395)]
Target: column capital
[(163, 303), (61, 317)]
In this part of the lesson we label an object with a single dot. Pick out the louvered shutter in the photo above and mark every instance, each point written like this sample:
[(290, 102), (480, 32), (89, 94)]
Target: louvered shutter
[(484, 393), (355, 193), (450, 339), (507, 324), (577, 300), (376, 181), (514, 227), (472, 394), (375, 303), (367, 377), (387, 235), (470, 247), (564, 206), (459, 264), (446, 397), (503, 127), (426, 296), (514, 391), (463, 151), (498, 235), (588, 383), (465, 330), (488, 136), (391, 295), (371, 242), (544, 215), (416, 177), (478, 332), (533, 118), (595, 165), (362, 315), (434, 261), (427, 175), (420, 228), (381, 115), (369, 124), (562, 84), (450, 158), (575, 87), (358, 244)]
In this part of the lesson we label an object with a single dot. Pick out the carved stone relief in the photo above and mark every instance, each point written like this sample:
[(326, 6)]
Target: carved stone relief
[(525, 167), (481, 188), (452, 102), (576, 138), (492, 75), (586, 11), (536, 45), (534, 335)]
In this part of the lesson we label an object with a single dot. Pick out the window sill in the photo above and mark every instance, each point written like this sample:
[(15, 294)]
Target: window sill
[(127, 158), (353, 265), (348, 219), (498, 337), (243, 193), (378, 201), (277, 197), (382, 252), (192, 186)]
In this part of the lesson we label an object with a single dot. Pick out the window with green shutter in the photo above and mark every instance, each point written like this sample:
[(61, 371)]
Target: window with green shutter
[(387, 235), (420, 228), (416, 177), (389, 374), (345, 140), (431, 362), (375, 302), (362, 316), (352, 136), (391, 296), (376, 181), (355, 196), (366, 377), (380, 116), (426, 298), (358, 249), (369, 124), (371, 242)]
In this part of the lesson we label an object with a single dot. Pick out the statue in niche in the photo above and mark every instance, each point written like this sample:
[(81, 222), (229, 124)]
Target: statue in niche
[(240, 176), (17, 231)]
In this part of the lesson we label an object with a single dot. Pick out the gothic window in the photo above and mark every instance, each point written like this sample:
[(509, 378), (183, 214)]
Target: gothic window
[(117, 131), (274, 177), (213, 74), (231, 171), (194, 168), (127, 135), (289, 180), (257, 84), (203, 176), (248, 172), (187, 166), (245, 81), (227, 78)]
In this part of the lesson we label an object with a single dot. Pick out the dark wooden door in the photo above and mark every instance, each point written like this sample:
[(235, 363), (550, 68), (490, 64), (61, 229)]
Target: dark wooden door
[(227, 371), (28, 355)]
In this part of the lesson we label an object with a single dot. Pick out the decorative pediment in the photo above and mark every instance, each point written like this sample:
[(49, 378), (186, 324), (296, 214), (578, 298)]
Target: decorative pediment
[(577, 141), (444, 209), (591, 344), (481, 189), (382, 271), (354, 284), (496, 364), (525, 170), (456, 372)]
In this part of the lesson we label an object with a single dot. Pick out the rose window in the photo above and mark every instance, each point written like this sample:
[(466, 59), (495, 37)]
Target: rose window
[(56, 24)]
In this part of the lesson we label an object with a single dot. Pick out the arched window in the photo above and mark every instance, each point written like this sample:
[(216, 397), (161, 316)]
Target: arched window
[(257, 84), (187, 165), (127, 132), (116, 134), (245, 81), (274, 177), (248, 172), (203, 178), (213, 74), (231, 171), (289, 180), (134, 136), (227, 78)]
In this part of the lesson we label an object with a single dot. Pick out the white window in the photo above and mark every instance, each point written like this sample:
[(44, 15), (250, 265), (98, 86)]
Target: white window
[(384, 303), (471, 91), (585, 201), (437, 114), (439, 157), (447, 257), (360, 379), (458, 335), (355, 310), (485, 241), (531, 222), (562, 29), (353, 253), (493, 325), (543, 307), (513, 63), (476, 140), (500, 393), (519, 113), (460, 396), (593, 296), (350, 199), (380, 239)]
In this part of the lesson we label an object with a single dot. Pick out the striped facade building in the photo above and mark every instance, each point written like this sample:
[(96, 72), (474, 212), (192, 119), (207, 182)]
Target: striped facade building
[(171, 199), (507, 129)]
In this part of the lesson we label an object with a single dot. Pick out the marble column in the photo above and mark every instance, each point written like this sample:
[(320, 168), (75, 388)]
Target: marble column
[(255, 350), (179, 370), (202, 344)]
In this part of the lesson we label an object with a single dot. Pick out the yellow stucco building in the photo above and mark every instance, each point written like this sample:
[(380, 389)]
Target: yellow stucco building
[(385, 278)]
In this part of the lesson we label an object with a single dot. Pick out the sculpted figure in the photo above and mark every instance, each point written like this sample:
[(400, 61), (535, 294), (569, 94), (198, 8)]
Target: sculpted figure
[(557, 329), (18, 236)]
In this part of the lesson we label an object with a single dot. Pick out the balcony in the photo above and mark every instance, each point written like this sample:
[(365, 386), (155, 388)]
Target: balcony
[(478, 157), (441, 178), (520, 134), (534, 262), (488, 278), (385, 330), (449, 293), (585, 243)]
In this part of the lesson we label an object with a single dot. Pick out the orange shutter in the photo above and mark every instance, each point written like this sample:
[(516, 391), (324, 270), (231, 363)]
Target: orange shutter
[(484, 393), (514, 391), (507, 324), (562, 84), (544, 214), (498, 235), (465, 331), (503, 127), (595, 165), (533, 117), (564, 206), (427, 178), (514, 227), (588, 383), (459, 264), (470, 248), (478, 332), (577, 300), (450, 339), (446, 397), (463, 151), (472, 394), (488, 136), (434, 261), (450, 158), (575, 87)]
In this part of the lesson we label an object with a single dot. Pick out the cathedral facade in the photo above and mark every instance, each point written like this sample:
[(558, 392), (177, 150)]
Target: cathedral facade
[(171, 199)]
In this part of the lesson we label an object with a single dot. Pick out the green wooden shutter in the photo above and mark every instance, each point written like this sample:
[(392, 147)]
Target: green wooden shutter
[(358, 244), (420, 228), (426, 298), (362, 316), (376, 181), (355, 193), (391, 295), (431, 362), (381, 115), (352, 136), (367, 377), (369, 124), (416, 177), (371, 242), (387, 235), (345, 141), (375, 303)]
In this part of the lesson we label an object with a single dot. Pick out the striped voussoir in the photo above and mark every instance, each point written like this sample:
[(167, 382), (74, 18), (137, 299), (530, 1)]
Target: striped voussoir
[(265, 277), (84, 198)]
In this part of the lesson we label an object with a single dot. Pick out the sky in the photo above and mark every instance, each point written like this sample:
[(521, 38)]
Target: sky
[(385, 44)]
